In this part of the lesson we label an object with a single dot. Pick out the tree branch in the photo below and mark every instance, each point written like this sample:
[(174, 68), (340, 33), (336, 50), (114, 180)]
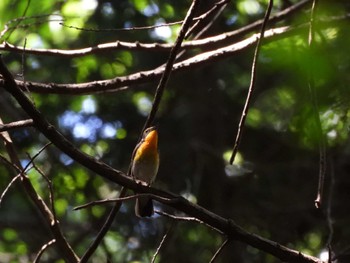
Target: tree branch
[(106, 226), (252, 84), (170, 62), (142, 77), (155, 47), (217, 253), (67, 252), (15, 125), (122, 83)]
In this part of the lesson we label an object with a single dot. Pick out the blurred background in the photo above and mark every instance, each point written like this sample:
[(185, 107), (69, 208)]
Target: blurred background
[(269, 190)]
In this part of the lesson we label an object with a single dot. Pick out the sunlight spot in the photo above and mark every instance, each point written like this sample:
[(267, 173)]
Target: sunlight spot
[(142, 102), (81, 130), (250, 7), (151, 10), (89, 4), (332, 134), (69, 119), (108, 131), (163, 32), (107, 9), (54, 22), (324, 255), (89, 106), (65, 159)]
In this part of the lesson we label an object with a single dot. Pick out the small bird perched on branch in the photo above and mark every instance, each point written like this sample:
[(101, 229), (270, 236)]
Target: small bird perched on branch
[(145, 167)]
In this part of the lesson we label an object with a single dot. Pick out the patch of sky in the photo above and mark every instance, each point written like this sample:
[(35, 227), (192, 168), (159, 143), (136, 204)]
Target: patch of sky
[(89, 4), (88, 106), (231, 20), (24, 162), (65, 159), (162, 32), (55, 21), (128, 24), (108, 131), (85, 125), (151, 10), (107, 10), (69, 119), (35, 64)]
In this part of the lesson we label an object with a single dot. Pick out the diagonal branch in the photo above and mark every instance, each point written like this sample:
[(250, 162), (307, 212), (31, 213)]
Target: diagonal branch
[(67, 252), (252, 84), (220, 249), (106, 226), (170, 62)]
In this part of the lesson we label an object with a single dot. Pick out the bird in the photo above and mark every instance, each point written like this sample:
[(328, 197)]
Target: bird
[(144, 169)]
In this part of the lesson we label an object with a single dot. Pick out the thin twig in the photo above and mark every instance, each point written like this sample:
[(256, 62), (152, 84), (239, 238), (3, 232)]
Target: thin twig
[(180, 218), (122, 198), (51, 193), (202, 24), (106, 226), (320, 136), (170, 62), (42, 250), (188, 219), (217, 253), (19, 21), (16, 125), (252, 84), (329, 211), (10, 164), (8, 187), (67, 252), (101, 30), (162, 242), (36, 155)]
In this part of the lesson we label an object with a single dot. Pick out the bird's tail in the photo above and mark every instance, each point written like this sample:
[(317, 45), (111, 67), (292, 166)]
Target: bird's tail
[(144, 207)]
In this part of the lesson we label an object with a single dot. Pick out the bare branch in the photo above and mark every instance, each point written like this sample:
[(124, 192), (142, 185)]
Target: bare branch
[(8, 187), (205, 43), (252, 84), (51, 193), (170, 62), (36, 155), (320, 136), (206, 19), (122, 198), (100, 30), (16, 125), (162, 242), (217, 253), (18, 22), (106, 226), (329, 211), (42, 250), (122, 83), (53, 224), (187, 219)]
